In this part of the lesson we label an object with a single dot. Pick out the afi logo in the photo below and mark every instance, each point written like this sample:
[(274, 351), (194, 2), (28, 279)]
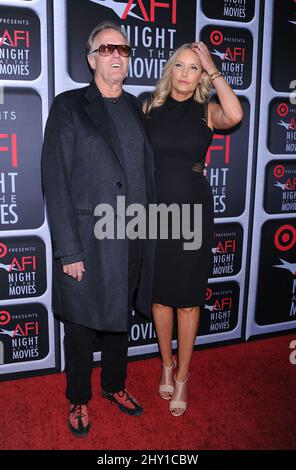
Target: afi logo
[(16, 39), (288, 185), (233, 55), (290, 126), (26, 263), (224, 148), (28, 327), (291, 183), (237, 53), (209, 307), (124, 9), (224, 304), (10, 146), (228, 246), (286, 265)]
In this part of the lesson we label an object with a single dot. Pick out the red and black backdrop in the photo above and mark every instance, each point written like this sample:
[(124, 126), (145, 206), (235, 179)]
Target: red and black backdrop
[(252, 169)]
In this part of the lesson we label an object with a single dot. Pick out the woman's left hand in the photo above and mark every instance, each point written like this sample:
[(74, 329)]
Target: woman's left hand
[(205, 57)]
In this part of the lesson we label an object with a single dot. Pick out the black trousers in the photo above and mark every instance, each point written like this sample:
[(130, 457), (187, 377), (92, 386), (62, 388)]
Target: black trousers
[(79, 346)]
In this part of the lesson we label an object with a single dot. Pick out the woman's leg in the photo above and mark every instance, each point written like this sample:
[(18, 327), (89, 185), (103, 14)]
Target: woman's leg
[(163, 321), (188, 323)]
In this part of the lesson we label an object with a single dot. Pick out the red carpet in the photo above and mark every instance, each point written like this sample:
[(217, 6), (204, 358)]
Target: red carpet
[(240, 397)]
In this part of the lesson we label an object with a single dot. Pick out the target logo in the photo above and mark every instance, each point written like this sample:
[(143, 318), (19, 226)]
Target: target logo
[(282, 109), (5, 317), (209, 293), (285, 237), (279, 171), (3, 250), (216, 37)]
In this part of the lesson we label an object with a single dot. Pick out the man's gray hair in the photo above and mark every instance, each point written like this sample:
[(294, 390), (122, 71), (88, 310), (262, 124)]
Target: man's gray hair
[(101, 27)]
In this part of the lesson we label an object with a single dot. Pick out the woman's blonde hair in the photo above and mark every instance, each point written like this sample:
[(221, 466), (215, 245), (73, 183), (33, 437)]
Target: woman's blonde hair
[(164, 85)]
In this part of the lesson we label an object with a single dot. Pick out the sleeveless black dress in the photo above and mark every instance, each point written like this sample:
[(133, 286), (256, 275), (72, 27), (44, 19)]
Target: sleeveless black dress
[(180, 138)]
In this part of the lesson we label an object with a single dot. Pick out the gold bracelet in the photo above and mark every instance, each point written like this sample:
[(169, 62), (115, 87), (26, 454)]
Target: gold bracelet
[(216, 75)]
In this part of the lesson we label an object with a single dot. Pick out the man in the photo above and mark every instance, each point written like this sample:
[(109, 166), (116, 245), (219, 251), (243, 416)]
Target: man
[(95, 149)]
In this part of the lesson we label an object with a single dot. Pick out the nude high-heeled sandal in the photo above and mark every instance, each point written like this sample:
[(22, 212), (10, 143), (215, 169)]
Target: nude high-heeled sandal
[(165, 389), (178, 403)]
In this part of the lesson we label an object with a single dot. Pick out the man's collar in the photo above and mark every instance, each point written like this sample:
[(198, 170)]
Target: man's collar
[(92, 91)]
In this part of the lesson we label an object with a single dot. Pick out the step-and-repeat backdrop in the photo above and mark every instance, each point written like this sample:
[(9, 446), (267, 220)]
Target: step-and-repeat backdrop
[(252, 169), (272, 290)]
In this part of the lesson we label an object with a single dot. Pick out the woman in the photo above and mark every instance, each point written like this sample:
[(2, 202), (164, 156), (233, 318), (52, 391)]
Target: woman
[(180, 125)]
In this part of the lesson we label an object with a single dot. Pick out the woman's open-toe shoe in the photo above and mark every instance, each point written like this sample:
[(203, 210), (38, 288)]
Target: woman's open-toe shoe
[(166, 386), (178, 403)]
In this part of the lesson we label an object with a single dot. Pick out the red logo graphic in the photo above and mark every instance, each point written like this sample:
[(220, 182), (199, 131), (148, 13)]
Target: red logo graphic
[(28, 327), (279, 171), (17, 38), (225, 148), (25, 262), (237, 53), (13, 148), (3, 250), (123, 9), (5, 317), (285, 237), (153, 6), (216, 37), (290, 184), (226, 247), (282, 109), (209, 293), (292, 125), (225, 304)]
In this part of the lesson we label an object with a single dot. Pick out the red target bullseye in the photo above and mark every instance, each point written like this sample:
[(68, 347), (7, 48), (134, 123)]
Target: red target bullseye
[(3, 250), (282, 109), (209, 294), (216, 37), (4, 317), (285, 237), (279, 171)]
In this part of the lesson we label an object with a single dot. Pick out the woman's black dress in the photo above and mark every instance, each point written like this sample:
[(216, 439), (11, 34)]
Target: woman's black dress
[(180, 138)]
